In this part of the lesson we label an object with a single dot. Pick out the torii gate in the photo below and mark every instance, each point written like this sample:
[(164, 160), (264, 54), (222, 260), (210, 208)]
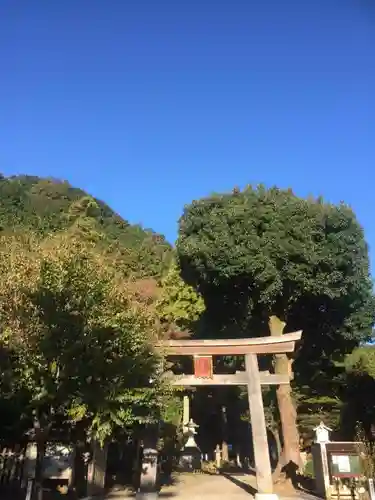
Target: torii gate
[(203, 350)]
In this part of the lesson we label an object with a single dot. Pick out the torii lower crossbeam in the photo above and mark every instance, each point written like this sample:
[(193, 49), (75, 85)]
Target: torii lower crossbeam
[(239, 378)]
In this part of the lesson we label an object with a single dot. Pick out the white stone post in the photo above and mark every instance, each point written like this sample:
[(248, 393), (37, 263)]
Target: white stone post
[(186, 413), (320, 459), (218, 457)]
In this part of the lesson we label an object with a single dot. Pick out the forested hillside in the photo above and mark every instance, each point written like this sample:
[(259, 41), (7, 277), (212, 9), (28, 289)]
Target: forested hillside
[(42, 206)]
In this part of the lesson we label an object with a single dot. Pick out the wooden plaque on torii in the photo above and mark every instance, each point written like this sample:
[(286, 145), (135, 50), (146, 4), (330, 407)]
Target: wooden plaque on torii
[(203, 367)]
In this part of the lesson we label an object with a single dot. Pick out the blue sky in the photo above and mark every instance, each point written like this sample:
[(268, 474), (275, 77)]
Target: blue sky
[(150, 104)]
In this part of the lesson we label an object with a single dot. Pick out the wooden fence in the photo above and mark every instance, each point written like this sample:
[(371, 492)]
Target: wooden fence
[(12, 480)]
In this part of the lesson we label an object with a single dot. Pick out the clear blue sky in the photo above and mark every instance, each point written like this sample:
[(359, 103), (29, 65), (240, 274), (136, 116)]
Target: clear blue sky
[(149, 104)]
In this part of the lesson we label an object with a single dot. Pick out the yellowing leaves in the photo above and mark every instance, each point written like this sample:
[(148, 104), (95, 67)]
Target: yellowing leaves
[(178, 302)]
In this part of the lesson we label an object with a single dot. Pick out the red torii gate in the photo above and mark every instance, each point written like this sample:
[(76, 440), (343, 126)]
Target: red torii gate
[(203, 350)]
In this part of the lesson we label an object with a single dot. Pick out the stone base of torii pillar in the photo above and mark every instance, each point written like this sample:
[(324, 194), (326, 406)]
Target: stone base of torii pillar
[(266, 496)]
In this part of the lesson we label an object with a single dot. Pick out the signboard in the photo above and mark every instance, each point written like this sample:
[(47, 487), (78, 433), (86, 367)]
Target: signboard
[(203, 366), (341, 462), (345, 465)]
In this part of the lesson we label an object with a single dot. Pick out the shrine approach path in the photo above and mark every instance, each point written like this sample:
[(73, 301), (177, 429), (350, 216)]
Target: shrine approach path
[(210, 487), (205, 486)]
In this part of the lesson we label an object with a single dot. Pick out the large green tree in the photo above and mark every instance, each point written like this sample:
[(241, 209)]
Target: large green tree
[(264, 252), (77, 342)]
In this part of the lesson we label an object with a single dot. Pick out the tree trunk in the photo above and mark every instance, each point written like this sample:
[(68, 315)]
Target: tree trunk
[(38, 482), (290, 458), (41, 432), (137, 464), (80, 467), (288, 415)]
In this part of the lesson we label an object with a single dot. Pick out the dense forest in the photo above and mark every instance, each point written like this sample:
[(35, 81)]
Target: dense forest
[(85, 296)]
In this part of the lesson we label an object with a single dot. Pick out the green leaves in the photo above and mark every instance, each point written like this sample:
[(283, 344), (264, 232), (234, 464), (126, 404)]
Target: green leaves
[(263, 252), (78, 344), (361, 361), (43, 206), (75, 338), (178, 303)]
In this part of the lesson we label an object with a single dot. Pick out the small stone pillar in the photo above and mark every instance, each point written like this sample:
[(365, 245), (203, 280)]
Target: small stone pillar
[(148, 479), (238, 460), (186, 414), (149, 467), (320, 460), (218, 457)]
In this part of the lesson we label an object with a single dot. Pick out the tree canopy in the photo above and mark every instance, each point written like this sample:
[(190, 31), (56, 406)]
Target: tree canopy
[(263, 251), (79, 342)]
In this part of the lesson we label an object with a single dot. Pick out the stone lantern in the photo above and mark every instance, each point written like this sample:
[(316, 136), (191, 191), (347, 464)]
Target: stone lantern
[(190, 458)]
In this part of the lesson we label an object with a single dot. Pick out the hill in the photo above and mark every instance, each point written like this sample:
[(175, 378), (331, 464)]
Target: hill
[(46, 205)]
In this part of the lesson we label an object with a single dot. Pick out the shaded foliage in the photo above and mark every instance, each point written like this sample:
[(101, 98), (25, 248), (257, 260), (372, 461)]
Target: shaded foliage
[(359, 396)]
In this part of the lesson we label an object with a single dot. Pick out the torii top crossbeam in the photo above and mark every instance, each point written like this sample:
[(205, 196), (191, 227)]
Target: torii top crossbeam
[(258, 345)]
